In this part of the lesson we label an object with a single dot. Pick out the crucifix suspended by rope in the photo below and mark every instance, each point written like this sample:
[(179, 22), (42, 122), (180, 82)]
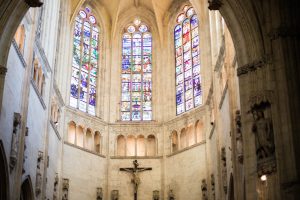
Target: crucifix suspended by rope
[(135, 175)]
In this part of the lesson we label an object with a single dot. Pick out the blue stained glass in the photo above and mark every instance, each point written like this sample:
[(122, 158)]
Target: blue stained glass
[(74, 90), (178, 32), (136, 116), (86, 32), (136, 73), (179, 99), (194, 21)]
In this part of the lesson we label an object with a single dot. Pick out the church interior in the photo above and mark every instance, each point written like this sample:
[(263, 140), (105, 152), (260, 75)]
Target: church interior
[(149, 100)]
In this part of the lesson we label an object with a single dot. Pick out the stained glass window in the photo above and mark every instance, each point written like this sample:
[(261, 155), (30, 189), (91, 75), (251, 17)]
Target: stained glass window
[(85, 62), (187, 53), (136, 98)]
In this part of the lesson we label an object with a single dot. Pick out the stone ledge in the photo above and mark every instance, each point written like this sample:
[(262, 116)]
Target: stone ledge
[(38, 93), (55, 129), (186, 149), (223, 95), (136, 157), (83, 149), (20, 55)]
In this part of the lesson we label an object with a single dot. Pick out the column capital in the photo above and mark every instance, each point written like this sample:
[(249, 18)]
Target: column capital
[(34, 3), (254, 65), (214, 4)]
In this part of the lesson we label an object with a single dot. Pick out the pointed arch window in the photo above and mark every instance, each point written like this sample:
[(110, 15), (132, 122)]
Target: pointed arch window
[(85, 62), (187, 61), (136, 75)]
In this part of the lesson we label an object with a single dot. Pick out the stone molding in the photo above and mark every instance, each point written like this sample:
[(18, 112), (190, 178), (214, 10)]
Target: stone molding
[(3, 70), (55, 129), (261, 96), (83, 149), (186, 148), (223, 95), (136, 157), (41, 52), (34, 3), (20, 55), (250, 67), (214, 4), (212, 130), (38, 93), (221, 55)]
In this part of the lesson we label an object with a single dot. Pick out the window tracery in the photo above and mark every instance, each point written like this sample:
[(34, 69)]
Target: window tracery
[(85, 62), (187, 61), (136, 75)]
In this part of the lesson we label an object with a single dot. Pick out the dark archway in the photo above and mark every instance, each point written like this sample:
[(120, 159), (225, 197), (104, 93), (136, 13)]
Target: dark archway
[(4, 183), (26, 190)]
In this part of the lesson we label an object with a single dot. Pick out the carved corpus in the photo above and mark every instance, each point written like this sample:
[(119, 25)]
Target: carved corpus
[(214, 4), (15, 141), (38, 182), (155, 195), (239, 137), (264, 138), (55, 190), (65, 189), (204, 190), (99, 193), (224, 169), (115, 195)]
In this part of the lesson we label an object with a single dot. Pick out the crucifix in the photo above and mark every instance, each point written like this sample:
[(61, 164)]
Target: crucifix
[(135, 179)]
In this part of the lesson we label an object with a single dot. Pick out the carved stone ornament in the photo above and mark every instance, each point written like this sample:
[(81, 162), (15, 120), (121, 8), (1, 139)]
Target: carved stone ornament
[(15, 141), (25, 147), (65, 189), (212, 183), (264, 138), (171, 195), (239, 137), (99, 194), (204, 190), (55, 190), (224, 169), (214, 4), (155, 195), (3, 70), (38, 182), (34, 3), (115, 195)]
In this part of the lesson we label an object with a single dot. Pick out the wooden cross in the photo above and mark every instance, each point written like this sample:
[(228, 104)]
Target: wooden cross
[(135, 179)]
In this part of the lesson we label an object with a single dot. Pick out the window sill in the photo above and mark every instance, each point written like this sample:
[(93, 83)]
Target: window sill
[(55, 129), (83, 149), (136, 157), (186, 149), (38, 94)]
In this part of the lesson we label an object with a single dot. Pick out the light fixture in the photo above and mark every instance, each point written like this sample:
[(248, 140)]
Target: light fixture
[(263, 177)]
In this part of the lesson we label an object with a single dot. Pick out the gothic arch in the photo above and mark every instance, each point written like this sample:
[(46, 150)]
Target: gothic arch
[(27, 189), (4, 174)]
